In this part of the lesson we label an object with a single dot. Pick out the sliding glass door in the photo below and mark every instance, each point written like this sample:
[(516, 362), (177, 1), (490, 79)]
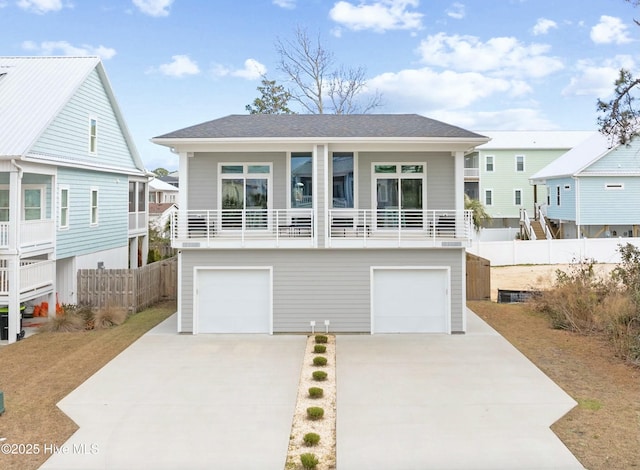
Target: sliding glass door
[(244, 195), (399, 195)]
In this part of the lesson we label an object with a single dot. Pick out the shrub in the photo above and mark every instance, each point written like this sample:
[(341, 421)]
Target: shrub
[(319, 361), (309, 461), (65, 323), (319, 375), (319, 348), (321, 339), (315, 413), (311, 439), (316, 392), (110, 316)]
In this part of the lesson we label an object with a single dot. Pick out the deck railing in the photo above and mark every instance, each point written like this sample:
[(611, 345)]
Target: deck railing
[(33, 274), (32, 233)]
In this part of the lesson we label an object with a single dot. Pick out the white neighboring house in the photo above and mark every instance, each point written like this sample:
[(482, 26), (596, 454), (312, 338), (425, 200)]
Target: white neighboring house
[(160, 216), (161, 192), (73, 189)]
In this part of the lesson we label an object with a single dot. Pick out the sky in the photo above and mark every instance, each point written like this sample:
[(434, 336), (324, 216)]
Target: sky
[(477, 64)]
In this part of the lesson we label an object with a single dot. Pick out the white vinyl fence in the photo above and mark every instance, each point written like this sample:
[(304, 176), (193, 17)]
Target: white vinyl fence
[(508, 253)]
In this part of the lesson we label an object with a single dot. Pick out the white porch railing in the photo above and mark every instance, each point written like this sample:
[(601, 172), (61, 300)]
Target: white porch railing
[(393, 227), (33, 274), (269, 227), (32, 233), (526, 223), (472, 172)]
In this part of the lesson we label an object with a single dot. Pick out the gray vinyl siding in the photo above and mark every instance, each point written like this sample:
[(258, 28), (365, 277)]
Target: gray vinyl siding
[(203, 177), (600, 206), (113, 198), (440, 176), (67, 136), (322, 284)]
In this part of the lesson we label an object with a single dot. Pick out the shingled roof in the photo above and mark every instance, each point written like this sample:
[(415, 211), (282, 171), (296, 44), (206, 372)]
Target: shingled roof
[(321, 125)]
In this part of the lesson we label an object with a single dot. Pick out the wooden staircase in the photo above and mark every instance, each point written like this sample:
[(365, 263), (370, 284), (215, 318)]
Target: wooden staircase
[(538, 230)]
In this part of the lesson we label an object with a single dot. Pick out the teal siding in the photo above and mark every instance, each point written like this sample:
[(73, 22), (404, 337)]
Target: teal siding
[(567, 208), (621, 159), (600, 206), (67, 136), (112, 229)]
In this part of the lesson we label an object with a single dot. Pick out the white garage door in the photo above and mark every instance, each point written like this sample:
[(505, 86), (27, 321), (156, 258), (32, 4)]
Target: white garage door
[(233, 301), (410, 301)]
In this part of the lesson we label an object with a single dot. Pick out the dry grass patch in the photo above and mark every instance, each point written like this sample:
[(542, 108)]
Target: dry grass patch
[(603, 431), (39, 371)]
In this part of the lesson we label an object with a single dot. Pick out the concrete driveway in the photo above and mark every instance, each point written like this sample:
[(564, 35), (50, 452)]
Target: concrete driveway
[(446, 402), (187, 402)]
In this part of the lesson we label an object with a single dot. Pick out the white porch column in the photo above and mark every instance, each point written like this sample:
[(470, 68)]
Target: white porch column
[(13, 265), (183, 207), (459, 192)]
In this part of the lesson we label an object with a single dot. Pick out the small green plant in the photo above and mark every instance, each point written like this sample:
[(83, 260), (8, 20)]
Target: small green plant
[(316, 392), (311, 439), (319, 361), (321, 339), (319, 375), (309, 461), (315, 413), (319, 348)]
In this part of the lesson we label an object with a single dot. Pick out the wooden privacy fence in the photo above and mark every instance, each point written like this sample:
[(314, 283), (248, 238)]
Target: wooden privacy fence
[(133, 289), (478, 278)]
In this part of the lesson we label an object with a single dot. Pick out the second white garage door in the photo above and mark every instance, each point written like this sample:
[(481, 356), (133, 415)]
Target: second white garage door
[(233, 300), (413, 300)]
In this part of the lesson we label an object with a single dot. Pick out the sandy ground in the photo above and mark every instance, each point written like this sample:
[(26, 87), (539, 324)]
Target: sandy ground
[(531, 277)]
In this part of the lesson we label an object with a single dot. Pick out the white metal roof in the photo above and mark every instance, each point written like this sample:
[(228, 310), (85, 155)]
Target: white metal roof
[(159, 185), (576, 159), (534, 140), (33, 90)]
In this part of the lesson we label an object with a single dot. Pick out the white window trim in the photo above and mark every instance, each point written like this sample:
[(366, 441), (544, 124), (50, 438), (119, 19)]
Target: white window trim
[(313, 176), (93, 138), (614, 186), (355, 177), (398, 174), (244, 175), (93, 223), (60, 189), (521, 197), (493, 163), (23, 207), (524, 165), (558, 197), (484, 196), (6, 187)]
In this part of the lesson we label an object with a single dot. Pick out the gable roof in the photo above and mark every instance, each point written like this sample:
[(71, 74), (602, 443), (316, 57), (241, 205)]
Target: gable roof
[(575, 160), (278, 126), (34, 90), (159, 185)]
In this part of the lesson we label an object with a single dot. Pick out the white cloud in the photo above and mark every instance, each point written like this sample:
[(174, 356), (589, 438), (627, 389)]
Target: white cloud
[(447, 89), (597, 80), (543, 26), (456, 11), (379, 16), (42, 6), (180, 66), (67, 49), (252, 70), (610, 30), (153, 7), (287, 4), (502, 56)]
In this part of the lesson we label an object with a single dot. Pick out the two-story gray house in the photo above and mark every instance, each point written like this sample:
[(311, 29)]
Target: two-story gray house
[(354, 223)]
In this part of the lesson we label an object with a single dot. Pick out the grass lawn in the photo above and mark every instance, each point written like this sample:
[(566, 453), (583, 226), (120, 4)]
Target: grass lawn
[(39, 371), (603, 431)]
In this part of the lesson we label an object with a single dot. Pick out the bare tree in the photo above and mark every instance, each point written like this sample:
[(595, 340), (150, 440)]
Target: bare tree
[(310, 67)]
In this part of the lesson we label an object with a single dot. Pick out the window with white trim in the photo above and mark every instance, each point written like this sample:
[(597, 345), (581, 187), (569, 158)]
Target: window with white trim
[(519, 163), (244, 193), (63, 217), (93, 135), (32, 202), (557, 195), (488, 197), (4, 205), (301, 177), (94, 207), (489, 163), (342, 165), (517, 197)]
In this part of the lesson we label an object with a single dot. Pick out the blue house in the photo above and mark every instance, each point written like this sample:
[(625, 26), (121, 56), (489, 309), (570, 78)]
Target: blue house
[(73, 189), (593, 189)]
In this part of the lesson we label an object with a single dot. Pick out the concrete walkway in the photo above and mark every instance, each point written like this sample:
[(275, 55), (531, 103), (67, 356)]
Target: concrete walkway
[(187, 402), (446, 402)]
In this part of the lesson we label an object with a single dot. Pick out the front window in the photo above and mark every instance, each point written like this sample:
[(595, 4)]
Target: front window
[(488, 197), (64, 208), (33, 203), (244, 187), (517, 197), (557, 195), (301, 180), (489, 163), (93, 136), (4, 205), (399, 191), (132, 196), (343, 180), (94, 207), (141, 199), (519, 163)]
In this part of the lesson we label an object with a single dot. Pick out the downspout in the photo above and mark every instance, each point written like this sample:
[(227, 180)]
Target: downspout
[(20, 173)]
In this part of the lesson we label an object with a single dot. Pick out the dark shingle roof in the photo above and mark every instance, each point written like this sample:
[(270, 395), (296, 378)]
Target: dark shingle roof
[(320, 125)]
